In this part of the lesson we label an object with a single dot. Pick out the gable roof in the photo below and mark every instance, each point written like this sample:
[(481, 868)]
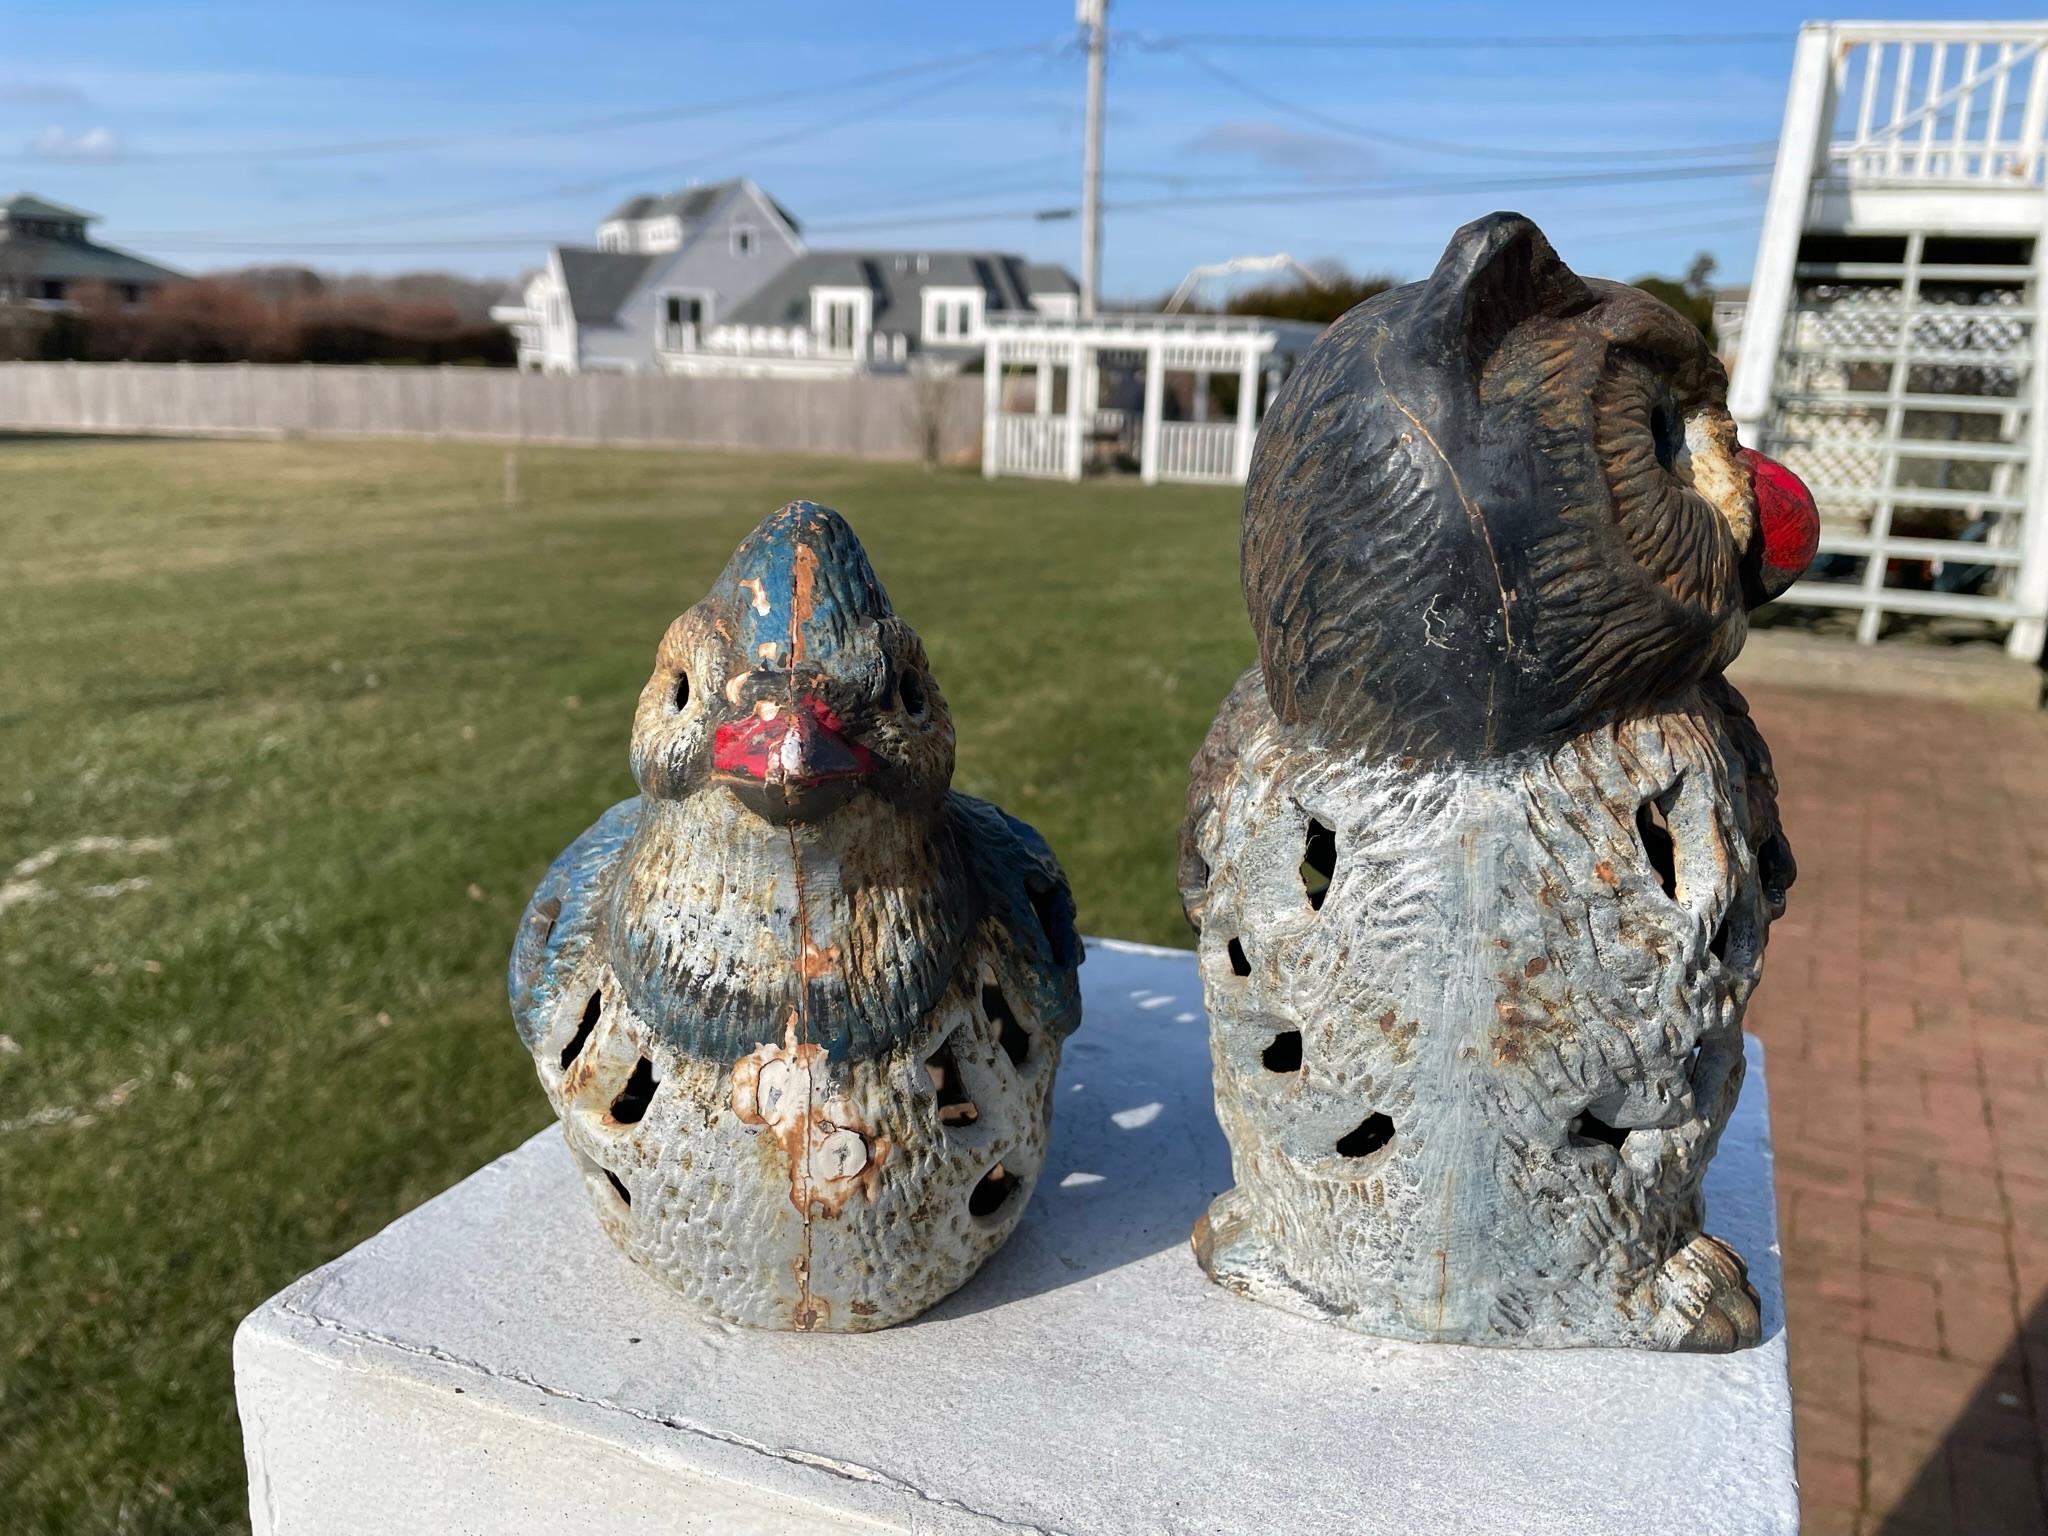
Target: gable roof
[(26, 205), (689, 203), (1049, 277), (598, 281), (80, 261), (896, 284)]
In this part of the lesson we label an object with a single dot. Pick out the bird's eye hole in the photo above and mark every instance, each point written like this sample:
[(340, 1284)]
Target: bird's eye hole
[(680, 694), (910, 689), (1669, 434)]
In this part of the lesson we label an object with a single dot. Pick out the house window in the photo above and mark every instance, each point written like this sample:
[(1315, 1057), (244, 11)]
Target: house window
[(841, 318), (952, 315), (743, 240), (841, 329), (683, 318), (50, 288)]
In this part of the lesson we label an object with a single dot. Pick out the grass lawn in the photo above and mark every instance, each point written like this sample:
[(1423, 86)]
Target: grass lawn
[(287, 734)]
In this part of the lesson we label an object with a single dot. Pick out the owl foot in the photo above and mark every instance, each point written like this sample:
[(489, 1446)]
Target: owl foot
[(1706, 1304)]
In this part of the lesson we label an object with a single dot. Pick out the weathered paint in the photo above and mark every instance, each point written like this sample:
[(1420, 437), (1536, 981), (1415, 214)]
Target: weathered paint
[(780, 933), (1500, 540)]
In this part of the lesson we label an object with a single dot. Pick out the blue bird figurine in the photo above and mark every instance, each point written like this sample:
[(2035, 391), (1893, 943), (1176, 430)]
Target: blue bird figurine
[(798, 1005)]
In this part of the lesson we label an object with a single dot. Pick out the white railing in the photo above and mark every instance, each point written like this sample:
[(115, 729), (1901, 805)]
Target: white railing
[(792, 342), (1198, 450), (1907, 418), (1031, 445), (1961, 103)]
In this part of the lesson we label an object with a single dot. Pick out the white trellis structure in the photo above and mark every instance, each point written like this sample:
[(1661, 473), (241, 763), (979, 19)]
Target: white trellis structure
[(1067, 426), (1891, 351)]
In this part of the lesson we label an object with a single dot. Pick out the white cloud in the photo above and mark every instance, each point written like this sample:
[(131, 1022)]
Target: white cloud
[(66, 144), (40, 93), (1283, 149)]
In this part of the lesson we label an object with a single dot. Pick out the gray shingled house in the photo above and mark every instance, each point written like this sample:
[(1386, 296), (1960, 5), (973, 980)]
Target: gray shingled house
[(717, 279), (47, 260), (878, 311), (663, 269)]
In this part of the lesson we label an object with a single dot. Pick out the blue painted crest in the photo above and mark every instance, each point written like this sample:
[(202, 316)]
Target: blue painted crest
[(801, 579)]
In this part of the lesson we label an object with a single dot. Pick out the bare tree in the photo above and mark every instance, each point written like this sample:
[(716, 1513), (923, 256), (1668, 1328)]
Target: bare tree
[(931, 389)]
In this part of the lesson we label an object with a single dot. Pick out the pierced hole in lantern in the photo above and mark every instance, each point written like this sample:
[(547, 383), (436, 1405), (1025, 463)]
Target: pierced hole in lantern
[(1777, 869), (955, 1107), (1016, 1043), (1367, 1137), (592, 1010), (638, 1093), (619, 1187), (680, 694), (545, 915), (1283, 1054), (1240, 964), (910, 689), (992, 1193), (1318, 862), (1658, 847), (1590, 1127), (1057, 925)]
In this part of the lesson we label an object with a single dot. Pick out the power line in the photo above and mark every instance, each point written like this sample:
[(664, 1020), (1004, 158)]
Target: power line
[(637, 118), (1331, 194), (1353, 130), (1439, 41), (776, 140), (1633, 213), (1356, 192)]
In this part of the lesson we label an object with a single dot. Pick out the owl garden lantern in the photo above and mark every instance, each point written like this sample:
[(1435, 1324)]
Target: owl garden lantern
[(1483, 851)]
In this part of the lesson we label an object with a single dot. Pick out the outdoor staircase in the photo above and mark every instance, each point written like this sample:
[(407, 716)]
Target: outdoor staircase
[(1891, 353)]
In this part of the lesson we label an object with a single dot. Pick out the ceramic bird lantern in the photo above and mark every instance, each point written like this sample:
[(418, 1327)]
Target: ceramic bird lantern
[(1483, 851), (799, 1005)]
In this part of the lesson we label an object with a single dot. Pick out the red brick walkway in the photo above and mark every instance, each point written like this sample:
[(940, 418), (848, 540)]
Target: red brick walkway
[(1905, 1014)]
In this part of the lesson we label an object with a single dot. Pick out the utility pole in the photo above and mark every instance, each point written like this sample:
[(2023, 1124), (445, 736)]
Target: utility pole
[(1092, 14)]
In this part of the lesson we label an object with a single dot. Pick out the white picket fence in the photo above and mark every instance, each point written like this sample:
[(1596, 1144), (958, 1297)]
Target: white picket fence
[(867, 417), (1198, 450), (1032, 445)]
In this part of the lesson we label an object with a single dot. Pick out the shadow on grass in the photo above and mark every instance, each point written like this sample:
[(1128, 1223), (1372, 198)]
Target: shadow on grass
[(1986, 1476)]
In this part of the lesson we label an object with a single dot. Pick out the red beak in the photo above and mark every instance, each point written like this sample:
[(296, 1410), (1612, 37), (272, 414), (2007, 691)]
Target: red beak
[(1788, 522), (791, 764)]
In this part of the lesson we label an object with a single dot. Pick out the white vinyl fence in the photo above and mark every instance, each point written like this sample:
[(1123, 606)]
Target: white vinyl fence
[(868, 417)]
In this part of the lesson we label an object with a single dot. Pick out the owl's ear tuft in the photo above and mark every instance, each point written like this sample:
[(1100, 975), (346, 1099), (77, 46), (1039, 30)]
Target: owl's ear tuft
[(1496, 273)]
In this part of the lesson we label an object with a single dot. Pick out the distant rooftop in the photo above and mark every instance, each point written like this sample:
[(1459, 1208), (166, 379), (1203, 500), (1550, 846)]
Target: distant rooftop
[(688, 203), (45, 243), (599, 281), (26, 205), (897, 280)]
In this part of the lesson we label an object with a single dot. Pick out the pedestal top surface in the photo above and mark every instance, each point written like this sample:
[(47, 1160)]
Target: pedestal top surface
[(1090, 1378)]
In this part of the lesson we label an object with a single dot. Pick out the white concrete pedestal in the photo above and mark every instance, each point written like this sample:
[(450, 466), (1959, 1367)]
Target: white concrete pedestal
[(491, 1364)]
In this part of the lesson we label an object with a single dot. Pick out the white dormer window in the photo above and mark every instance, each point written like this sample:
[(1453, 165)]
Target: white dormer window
[(841, 319), (743, 242), (953, 315)]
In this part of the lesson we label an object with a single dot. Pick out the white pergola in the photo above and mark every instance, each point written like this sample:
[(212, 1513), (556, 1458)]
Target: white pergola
[(1078, 353)]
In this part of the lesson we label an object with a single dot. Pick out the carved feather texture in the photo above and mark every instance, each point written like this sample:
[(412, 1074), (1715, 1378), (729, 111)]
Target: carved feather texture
[(1470, 525), (1500, 962)]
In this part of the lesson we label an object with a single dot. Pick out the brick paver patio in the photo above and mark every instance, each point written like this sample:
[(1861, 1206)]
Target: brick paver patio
[(1905, 1013)]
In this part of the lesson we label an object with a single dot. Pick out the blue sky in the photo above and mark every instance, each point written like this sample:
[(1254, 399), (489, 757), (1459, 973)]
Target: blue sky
[(381, 136)]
